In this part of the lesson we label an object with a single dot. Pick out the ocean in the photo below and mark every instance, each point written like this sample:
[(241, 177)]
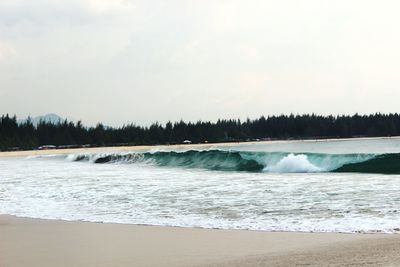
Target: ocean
[(309, 186)]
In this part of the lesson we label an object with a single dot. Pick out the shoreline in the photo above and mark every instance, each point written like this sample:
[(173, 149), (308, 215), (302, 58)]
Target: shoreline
[(199, 227), (39, 242), (24, 153)]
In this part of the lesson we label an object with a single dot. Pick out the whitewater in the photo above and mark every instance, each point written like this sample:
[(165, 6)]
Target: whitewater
[(309, 186)]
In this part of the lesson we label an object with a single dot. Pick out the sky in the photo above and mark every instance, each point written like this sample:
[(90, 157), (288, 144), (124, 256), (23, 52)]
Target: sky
[(141, 61)]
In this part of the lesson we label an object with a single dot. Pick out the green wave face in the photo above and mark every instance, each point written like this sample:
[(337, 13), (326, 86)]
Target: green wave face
[(258, 161), (212, 160), (385, 164)]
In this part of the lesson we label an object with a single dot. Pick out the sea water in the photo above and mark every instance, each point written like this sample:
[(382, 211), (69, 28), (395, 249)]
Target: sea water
[(310, 186)]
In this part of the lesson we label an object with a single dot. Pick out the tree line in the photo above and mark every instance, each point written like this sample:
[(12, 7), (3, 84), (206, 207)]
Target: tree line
[(14, 135)]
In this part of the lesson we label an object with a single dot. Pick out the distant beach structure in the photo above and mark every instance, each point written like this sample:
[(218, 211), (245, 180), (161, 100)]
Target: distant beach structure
[(47, 147)]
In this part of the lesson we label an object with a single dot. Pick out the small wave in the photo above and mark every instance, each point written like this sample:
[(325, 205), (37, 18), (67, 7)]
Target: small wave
[(107, 158), (47, 156)]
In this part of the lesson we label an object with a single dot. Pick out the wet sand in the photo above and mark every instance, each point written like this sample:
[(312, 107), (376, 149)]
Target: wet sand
[(35, 242)]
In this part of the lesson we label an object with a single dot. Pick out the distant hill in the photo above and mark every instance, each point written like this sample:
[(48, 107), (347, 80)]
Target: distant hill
[(51, 118)]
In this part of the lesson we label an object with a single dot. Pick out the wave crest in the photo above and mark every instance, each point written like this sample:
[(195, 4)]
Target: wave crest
[(294, 163), (251, 161)]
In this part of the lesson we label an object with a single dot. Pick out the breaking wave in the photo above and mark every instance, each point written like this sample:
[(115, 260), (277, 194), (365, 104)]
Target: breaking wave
[(277, 162), (211, 160)]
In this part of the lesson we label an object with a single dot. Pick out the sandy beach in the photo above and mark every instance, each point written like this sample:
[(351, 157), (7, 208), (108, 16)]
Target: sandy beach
[(25, 153), (34, 242)]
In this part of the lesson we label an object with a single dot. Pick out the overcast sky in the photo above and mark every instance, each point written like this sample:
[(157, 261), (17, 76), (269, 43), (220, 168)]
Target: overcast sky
[(119, 61)]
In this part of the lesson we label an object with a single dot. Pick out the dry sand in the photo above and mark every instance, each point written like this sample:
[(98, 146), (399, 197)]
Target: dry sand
[(33, 242)]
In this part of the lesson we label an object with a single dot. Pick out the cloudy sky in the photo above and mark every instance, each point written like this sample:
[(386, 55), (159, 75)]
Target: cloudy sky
[(119, 61)]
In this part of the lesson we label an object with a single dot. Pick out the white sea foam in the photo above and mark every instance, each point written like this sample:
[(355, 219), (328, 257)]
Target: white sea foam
[(46, 156), (293, 163), (146, 194), (275, 200)]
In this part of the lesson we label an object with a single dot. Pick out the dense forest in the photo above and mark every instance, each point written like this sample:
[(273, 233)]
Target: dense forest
[(14, 135)]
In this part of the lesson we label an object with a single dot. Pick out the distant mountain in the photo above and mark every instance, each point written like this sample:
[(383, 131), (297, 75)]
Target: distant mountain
[(50, 118)]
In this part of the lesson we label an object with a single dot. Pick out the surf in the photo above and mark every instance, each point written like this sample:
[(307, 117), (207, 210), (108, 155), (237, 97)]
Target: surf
[(246, 161)]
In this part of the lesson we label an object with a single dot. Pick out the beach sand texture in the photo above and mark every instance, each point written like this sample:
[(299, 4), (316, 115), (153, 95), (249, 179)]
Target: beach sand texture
[(34, 242)]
